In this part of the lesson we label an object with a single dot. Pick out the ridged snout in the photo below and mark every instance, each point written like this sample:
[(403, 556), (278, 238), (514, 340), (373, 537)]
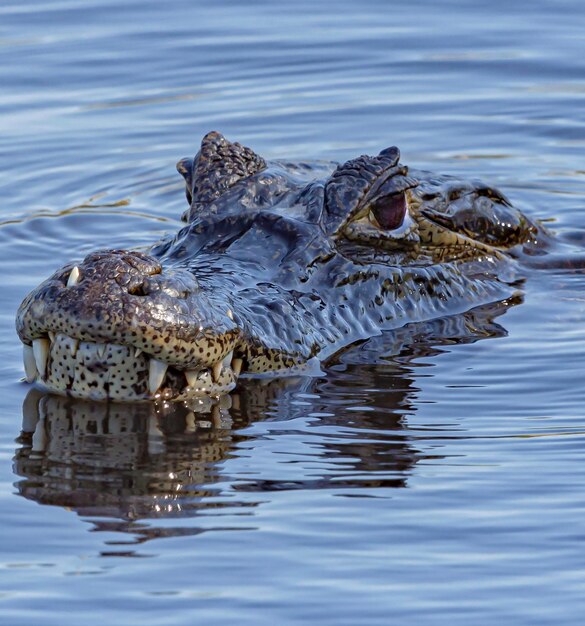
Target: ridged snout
[(121, 297)]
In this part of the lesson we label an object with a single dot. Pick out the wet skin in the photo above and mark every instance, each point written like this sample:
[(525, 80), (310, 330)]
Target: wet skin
[(279, 265)]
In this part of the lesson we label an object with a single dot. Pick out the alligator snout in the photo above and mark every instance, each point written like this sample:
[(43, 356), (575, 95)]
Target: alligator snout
[(117, 325)]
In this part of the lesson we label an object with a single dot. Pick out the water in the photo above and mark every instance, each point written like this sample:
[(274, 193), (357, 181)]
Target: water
[(442, 485)]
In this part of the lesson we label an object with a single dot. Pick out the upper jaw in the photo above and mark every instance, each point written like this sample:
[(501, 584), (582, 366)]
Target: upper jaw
[(99, 369), (127, 299)]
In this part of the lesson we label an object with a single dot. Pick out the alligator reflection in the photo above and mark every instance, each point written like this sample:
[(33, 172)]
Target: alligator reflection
[(125, 463)]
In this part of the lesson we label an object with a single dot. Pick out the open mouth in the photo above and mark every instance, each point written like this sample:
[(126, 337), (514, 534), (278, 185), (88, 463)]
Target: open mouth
[(107, 371)]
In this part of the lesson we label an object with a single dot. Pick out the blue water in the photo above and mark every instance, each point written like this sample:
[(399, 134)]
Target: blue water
[(442, 484)]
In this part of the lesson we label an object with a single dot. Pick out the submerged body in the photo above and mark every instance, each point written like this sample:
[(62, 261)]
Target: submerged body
[(279, 264)]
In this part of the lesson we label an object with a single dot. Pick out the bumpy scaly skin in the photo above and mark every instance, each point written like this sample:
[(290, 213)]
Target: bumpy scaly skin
[(278, 263)]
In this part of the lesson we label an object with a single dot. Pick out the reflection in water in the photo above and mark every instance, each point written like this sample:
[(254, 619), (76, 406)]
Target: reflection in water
[(123, 463)]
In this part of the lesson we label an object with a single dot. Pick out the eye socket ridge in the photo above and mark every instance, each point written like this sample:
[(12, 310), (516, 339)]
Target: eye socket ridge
[(388, 212)]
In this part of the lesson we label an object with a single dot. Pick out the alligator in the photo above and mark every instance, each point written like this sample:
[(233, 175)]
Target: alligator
[(280, 266)]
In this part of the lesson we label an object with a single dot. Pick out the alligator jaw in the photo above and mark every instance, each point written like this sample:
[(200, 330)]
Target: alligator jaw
[(106, 371)]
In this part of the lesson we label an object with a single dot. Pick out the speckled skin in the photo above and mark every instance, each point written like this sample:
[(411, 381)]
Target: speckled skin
[(278, 263)]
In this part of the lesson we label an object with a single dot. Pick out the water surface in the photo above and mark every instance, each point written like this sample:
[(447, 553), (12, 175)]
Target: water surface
[(442, 483)]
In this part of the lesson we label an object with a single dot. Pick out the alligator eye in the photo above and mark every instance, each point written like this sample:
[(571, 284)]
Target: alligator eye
[(388, 211)]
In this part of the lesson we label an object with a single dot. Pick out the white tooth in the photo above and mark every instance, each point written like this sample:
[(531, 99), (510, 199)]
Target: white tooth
[(227, 359), (237, 366), (30, 366), (216, 371), (191, 376), (156, 374), (230, 314), (137, 353), (51, 336), (41, 349), (68, 343), (100, 349), (73, 277)]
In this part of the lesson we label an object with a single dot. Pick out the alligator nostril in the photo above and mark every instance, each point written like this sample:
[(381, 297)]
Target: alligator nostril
[(137, 289)]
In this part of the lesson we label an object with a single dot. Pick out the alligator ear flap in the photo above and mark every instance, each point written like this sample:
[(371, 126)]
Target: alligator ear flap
[(219, 165), (185, 168)]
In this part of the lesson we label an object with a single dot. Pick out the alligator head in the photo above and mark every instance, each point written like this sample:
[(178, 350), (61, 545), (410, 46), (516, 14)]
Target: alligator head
[(279, 264)]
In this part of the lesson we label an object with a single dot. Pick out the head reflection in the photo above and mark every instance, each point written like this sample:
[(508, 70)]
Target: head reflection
[(125, 466)]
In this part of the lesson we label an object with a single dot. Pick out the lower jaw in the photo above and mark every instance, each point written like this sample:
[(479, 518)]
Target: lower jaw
[(118, 373), (120, 392)]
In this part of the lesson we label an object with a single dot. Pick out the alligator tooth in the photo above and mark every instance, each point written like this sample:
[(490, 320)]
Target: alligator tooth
[(230, 314), (100, 349), (73, 277), (227, 359), (41, 349), (191, 376), (137, 353), (73, 346), (216, 371), (30, 366), (237, 366), (156, 374), (51, 336), (68, 343)]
